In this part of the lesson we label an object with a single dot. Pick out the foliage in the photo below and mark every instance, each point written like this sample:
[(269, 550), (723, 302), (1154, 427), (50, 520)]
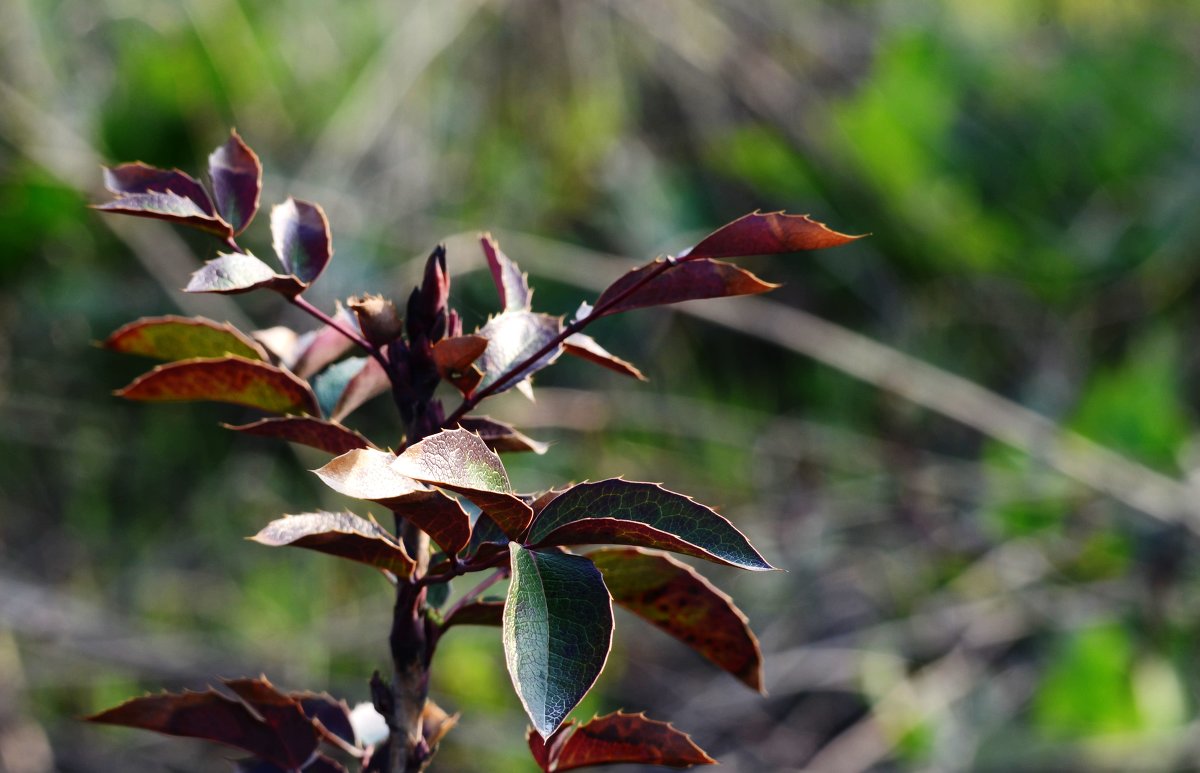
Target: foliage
[(456, 511)]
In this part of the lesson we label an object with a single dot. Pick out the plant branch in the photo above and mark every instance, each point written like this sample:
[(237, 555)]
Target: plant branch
[(302, 304), (500, 383)]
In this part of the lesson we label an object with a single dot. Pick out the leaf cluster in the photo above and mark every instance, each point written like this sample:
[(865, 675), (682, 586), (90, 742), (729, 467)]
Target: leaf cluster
[(444, 481)]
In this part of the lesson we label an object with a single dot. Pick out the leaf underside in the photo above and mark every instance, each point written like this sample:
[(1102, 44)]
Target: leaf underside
[(327, 436), (513, 337), (344, 535), (233, 273)]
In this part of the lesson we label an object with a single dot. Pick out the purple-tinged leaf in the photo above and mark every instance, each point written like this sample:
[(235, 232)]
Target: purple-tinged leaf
[(512, 285), (213, 717), (132, 179), (345, 385), (477, 613), (238, 272), (460, 461), (369, 474), (180, 338), (340, 534), (332, 714), (585, 347), (455, 358), (685, 281), (514, 337), (674, 597), (487, 539), (170, 207), (237, 181), (766, 233), (622, 512), (557, 631), (499, 436), (225, 380), (327, 436), (615, 739), (300, 233)]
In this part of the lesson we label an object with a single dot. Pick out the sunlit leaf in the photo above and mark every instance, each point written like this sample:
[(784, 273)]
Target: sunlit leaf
[(370, 475), (131, 179), (339, 534), (237, 181), (585, 347), (512, 285), (167, 206), (514, 337), (674, 597), (623, 512), (557, 632), (615, 739), (226, 380), (213, 717), (500, 436), (180, 338), (766, 233), (306, 430), (685, 281), (300, 235), (239, 272), (460, 461)]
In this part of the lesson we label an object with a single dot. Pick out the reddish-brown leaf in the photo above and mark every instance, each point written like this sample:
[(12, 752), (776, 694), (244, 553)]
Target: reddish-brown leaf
[(332, 717), (586, 347), (674, 597), (766, 233), (460, 461), (180, 338), (477, 613), (344, 535), (212, 717), (237, 181), (455, 357), (684, 281), (328, 436), (300, 234), (283, 714), (369, 474), (500, 436), (618, 738), (227, 380), (512, 285)]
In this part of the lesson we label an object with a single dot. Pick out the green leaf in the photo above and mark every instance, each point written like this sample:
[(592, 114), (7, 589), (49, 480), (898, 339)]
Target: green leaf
[(514, 337), (623, 512), (339, 534), (370, 475), (225, 380), (239, 272), (674, 597), (328, 436), (300, 235), (180, 338), (557, 632), (460, 461)]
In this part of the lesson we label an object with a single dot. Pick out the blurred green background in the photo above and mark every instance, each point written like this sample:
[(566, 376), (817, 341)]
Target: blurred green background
[(968, 585)]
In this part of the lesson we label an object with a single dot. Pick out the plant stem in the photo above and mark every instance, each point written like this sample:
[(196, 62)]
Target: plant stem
[(475, 592), (302, 304), (500, 383), (410, 641)]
